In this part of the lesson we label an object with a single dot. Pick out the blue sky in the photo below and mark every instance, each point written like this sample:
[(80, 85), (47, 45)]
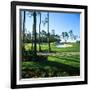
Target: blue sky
[(60, 22)]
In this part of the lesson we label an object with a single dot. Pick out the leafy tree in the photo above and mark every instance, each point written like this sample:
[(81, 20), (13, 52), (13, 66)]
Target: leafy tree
[(28, 37), (43, 33)]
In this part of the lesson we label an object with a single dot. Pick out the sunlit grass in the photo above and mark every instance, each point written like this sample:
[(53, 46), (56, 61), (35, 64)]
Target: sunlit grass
[(75, 47), (62, 62)]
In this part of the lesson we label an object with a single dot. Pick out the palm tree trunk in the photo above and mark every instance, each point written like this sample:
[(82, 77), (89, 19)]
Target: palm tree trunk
[(32, 38), (23, 36), (49, 48), (39, 33), (34, 32), (24, 27)]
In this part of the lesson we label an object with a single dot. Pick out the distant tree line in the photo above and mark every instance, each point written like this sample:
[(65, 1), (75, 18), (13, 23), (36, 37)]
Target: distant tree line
[(53, 37), (43, 37)]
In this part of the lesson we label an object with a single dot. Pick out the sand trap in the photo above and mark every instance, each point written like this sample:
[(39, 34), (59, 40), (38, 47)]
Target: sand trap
[(64, 45)]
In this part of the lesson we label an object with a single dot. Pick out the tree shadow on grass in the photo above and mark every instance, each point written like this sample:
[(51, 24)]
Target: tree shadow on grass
[(68, 59), (61, 67), (45, 68)]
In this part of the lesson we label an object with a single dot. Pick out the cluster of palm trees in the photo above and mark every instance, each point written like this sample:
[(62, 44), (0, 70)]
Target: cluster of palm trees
[(66, 35), (34, 14)]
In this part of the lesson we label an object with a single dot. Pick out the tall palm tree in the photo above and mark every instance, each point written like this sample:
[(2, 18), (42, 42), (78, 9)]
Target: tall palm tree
[(71, 34), (30, 14), (39, 31), (24, 19), (23, 31), (49, 47), (34, 33), (65, 36), (48, 36)]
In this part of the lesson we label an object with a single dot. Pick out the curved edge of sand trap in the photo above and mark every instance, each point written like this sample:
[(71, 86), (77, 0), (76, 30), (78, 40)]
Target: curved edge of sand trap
[(64, 45)]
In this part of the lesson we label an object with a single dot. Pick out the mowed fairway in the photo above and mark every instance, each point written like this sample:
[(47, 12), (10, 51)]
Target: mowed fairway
[(59, 62)]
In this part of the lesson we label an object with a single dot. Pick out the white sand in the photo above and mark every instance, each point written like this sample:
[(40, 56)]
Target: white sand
[(64, 45)]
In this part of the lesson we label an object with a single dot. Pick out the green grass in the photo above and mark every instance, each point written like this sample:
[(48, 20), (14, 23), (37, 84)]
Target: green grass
[(62, 62), (75, 48)]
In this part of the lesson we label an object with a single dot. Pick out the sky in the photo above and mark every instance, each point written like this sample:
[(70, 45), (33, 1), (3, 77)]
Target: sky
[(59, 21)]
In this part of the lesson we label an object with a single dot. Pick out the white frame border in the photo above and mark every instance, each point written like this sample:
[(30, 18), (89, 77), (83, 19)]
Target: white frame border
[(55, 79)]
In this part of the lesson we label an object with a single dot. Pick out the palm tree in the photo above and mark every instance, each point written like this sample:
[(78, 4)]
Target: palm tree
[(49, 49), (24, 19), (48, 36), (71, 34), (53, 32), (23, 31), (65, 36), (30, 14), (39, 31), (44, 36), (34, 33)]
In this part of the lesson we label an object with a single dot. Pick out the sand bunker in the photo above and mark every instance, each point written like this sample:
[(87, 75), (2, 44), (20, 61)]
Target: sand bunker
[(64, 45)]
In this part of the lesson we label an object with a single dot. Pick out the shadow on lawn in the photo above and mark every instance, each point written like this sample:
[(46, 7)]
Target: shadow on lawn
[(61, 67), (45, 68), (68, 59)]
